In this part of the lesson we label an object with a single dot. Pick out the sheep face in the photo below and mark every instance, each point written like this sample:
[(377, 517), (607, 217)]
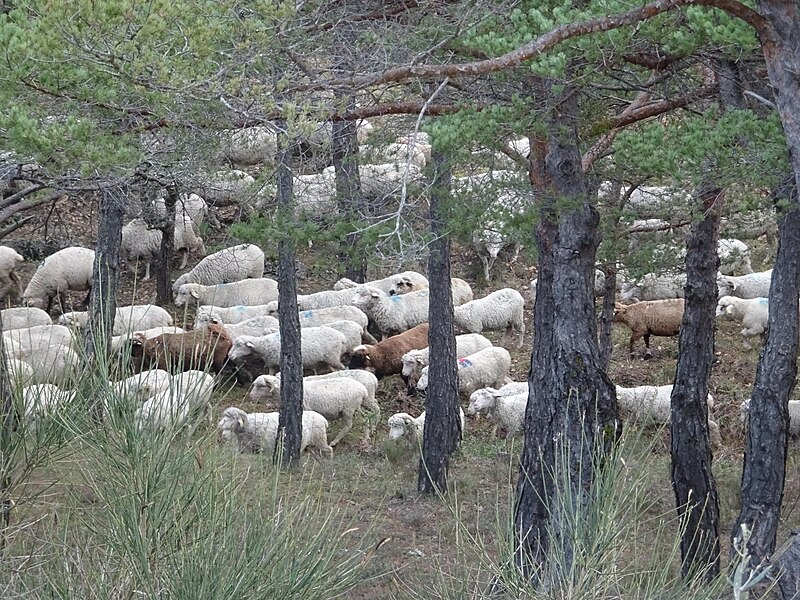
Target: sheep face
[(265, 387), (242, 348), (401, 285), (366, 296), (398, 424), (359, 359), (232, 423), (724, 307), (185, 295), (620, 310), (411, 361), (482, 401)]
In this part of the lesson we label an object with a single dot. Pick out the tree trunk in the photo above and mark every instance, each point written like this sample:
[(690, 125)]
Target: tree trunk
[(767, 433), (692, 480), (163, 262), (348, 191), (571, 397), (105, 276), (442, 421), (9, 426), (607, 314), (290, 420)]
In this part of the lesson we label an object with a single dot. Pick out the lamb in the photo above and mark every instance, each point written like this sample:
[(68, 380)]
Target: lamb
[(184, 351), (386, 357), (754, 285), (141, 242), (247, 292), (254, 326), (404, 425), (231, 315), (400, 283), (10, 259), (67, 269), (502, 309), (231, 264), (321, 348), (656, 317), (258, 432), (23, 317), (651, 405), (485, 368), (507, 412), (393, 314), (174, 407), (753, 313), (654, 287), (332, 398), (127, 319), (415, 360), (794, 415)]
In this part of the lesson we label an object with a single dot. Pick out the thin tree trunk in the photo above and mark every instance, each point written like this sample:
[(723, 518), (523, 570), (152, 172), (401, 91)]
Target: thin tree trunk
[(767, 433), (9, 426), (571, 397), (290, 420), (692, 480), (607, 314), (442, 422), (348, 191), (163, 262)]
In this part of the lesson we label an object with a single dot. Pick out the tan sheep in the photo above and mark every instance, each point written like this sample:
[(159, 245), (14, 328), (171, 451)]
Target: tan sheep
[(657, 317)]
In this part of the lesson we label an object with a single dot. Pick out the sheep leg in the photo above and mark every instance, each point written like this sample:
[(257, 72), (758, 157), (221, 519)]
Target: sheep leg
[(184, 257), (647, 352), (348, 425), (146, 271), (486, 267), (15, 278)]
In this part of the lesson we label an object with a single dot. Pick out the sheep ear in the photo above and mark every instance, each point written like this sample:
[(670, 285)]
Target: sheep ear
[(216, 320), (735, 285), (194, 293), (239, 428), (418, 360), (729, 309), (249, 344), (375, 295)]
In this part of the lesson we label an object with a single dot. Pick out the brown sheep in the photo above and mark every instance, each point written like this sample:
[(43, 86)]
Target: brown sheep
[(656, 317), (177, 352), (386, 357)]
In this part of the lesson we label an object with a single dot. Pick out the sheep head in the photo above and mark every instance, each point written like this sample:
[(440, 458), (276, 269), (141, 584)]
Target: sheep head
[(482, 400), (399, 424)]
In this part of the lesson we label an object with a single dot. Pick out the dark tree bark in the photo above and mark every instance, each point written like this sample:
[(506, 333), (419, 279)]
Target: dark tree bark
[(787, 560), (348, 191), (9, 426), (767, 433), (607, 314), (692, 480), (163, 262), (290, 420), (442, 422), (571, 397)]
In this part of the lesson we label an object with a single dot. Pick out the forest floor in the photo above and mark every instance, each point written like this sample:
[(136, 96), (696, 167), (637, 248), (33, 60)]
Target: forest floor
[(426, 542)]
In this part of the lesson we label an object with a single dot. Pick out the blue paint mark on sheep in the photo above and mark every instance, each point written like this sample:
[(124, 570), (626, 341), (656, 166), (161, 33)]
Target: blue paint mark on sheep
[(307, 314), (395, 298), (763, 300)]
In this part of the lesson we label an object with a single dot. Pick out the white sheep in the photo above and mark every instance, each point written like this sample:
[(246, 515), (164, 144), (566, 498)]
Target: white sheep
[(258, 432), (23, 317), (118, 342), (144, 385), (652, 405), (51, 364), (225, 188), (753, 313), (403, 425), (754, 285), (140, 242), (321, 316), (188, 205), (793, 409), (10, 259), (247, 292), (399, 283), (231, 264), (127, 319), (315, 194), (332, 398), (500, 310), (365, 378), (414, 148), (393, 314), (507, 411), (485, 368), (461, 291), (352, 333), (19, 372), (321, 348), (734, 257), (189, 392), (42, 400), (255, 326), (323, 299), (416, 360), (67, 269), (231, 315), (385, 180)]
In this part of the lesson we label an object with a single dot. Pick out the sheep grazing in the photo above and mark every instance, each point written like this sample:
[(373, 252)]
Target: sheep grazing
[(324, 299), (254, 326), (754, 285), (386, 357), (403, 425), (144, 385), (42, 400), (30, 337), (651, 405), (365, 378), (753, 313), (248, 292), (62, 271), (231, 315), (245, 261), (416, 360), (500, 310), (127, 319), (140, 242), (258, 432), (393, 314), (507, 411), (171, 409), (120, 342), (23, 317), (10, 282), (654, 287), (54, 363), (332, 398), (183, 351), (656, 317), (321, 348), (794, 415), (485, 368), (398, 284)]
